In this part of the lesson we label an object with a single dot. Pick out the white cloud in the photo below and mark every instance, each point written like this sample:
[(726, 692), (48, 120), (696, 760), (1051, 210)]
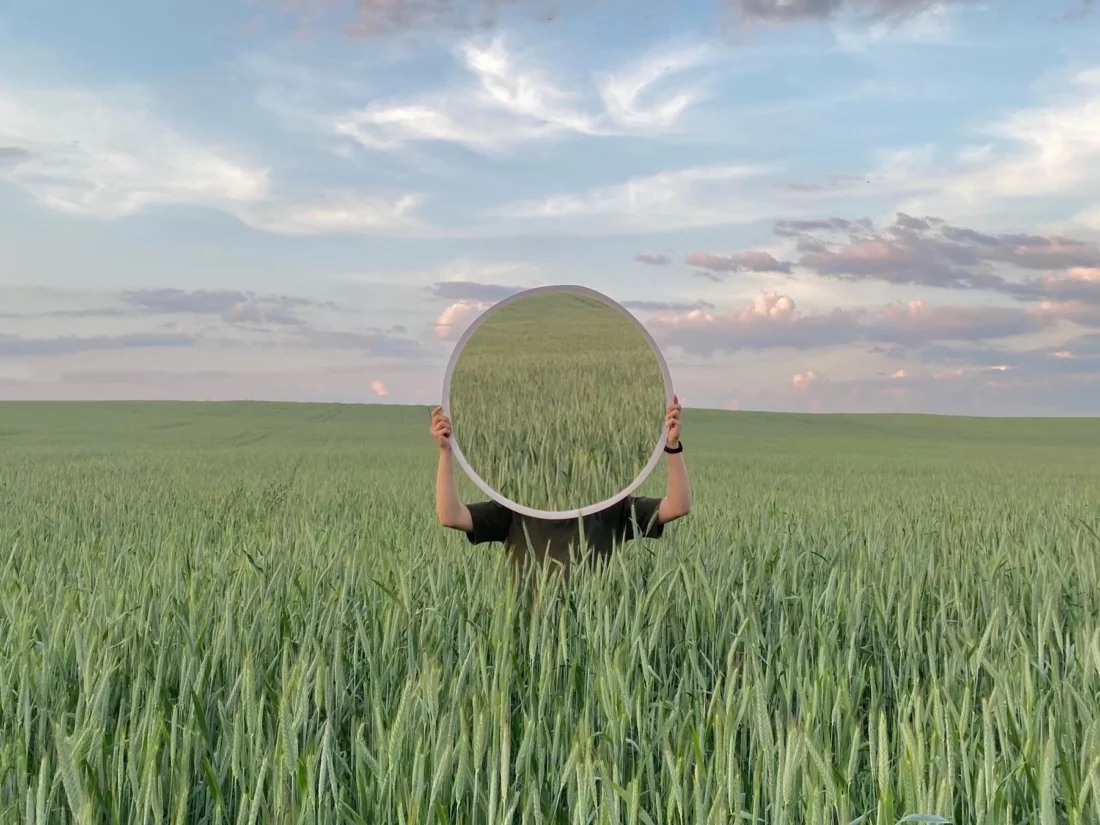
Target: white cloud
[(109, 155), (933, 26), (680, 199), (1053, 151), (628, 94), (696, 197), (508, 104), (1089, 218), (803, 380), (453, 321), (512, 102), (347, 212)]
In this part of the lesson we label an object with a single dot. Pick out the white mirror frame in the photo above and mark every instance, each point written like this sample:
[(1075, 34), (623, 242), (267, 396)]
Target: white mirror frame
[(479, 481)]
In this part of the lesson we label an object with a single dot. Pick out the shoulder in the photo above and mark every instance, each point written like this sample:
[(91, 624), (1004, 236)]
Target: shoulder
[(628, 505), (489, 510), (490, 506)]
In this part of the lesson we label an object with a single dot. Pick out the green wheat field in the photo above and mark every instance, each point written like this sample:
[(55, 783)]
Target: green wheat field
[(246, 613), (557, 401)]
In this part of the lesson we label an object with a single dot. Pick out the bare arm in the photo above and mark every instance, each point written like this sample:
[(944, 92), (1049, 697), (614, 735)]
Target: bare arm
[(448, 509), (677, 500)]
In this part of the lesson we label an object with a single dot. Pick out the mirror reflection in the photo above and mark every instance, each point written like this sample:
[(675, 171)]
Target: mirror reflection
[(557, 400)]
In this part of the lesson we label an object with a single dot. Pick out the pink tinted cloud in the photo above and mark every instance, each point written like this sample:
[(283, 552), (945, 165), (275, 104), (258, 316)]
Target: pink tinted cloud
[(379, 388), (765, 306), (749, 261), (772, 321), (803, 380), (1078, 312), (931, 252), (453, 320)]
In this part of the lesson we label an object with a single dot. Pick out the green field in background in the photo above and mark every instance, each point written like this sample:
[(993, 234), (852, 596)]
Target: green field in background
[(247, 613)]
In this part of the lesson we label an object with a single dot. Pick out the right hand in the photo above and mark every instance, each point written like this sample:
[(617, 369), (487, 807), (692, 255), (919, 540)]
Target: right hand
[(440, 428)]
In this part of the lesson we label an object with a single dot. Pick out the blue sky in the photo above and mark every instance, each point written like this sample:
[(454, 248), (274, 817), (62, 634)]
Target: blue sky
[(828, 205)]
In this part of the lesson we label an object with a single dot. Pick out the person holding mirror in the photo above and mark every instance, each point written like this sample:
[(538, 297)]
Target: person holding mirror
[(556, 539)]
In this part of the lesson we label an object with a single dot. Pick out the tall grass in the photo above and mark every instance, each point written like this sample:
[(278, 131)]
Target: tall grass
[(247, 615), (557, 401)]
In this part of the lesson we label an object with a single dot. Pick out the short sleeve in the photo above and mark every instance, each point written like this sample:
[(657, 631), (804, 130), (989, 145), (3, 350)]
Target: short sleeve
[(644, 511), (492, 522)]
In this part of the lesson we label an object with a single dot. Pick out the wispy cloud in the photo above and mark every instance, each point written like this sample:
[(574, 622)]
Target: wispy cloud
[(632, 98), (681, 199), (232, 306), (340, 213), (108, 154), (652, 260), (16, 346), (1050, 150), (926, 24), (702, 196), (472, 291), (508, 104), (748, 261), (512, 101)]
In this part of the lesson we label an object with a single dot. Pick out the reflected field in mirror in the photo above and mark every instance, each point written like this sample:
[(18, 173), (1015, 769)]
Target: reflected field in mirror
[(557, 400)]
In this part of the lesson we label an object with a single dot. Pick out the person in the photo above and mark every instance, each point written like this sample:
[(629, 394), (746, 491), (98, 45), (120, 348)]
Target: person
[(558, 540)]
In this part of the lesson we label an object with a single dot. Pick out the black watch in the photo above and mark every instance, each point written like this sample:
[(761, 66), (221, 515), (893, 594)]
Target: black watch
[(679, 448)]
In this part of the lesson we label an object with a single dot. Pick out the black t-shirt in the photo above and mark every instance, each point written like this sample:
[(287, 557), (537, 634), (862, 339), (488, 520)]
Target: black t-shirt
[(633, 517)]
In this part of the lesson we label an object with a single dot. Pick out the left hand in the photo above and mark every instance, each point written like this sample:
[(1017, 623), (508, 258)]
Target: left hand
[(672, 421)]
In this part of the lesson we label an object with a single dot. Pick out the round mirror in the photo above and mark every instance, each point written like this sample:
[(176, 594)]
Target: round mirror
[(557, 399)]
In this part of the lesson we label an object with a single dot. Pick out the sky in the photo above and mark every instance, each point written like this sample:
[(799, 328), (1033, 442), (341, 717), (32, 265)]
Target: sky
[(812, 205)]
